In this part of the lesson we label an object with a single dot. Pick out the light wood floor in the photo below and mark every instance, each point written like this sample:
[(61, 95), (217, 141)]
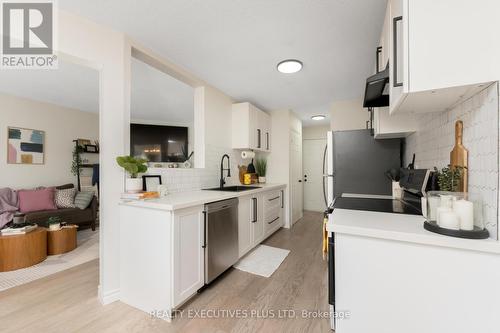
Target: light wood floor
[(67, 301)]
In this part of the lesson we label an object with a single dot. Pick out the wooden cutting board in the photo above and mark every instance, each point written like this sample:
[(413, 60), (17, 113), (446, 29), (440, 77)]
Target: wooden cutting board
[(459, 156)]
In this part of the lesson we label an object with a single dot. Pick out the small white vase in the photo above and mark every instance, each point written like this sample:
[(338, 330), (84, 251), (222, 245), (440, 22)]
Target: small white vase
[(133, 185), (262, 180)]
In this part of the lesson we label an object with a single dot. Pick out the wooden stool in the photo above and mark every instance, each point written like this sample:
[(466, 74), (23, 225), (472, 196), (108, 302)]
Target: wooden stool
[(62, 240), (20, 251)]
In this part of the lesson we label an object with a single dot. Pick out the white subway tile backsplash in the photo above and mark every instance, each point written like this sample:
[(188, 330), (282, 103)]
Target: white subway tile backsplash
[(181, 180), (435, 137)]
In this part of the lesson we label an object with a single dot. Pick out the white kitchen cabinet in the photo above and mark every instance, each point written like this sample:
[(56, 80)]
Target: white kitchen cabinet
[(245, 219), (383, 56), (257, 219), (251, 128), (440, 53), (264, 123), (161, 257), (189, 273), (386, 126), (273, 212)]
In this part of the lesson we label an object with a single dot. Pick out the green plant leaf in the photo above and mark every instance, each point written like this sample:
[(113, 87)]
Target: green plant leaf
[(132, 165)]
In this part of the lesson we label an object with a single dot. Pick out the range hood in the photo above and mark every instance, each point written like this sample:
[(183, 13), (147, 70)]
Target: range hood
[(377, 90)]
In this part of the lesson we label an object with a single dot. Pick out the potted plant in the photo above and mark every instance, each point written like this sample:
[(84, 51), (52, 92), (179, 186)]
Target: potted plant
[(448, 178), (261, 166), (133, 166), (54, 223)]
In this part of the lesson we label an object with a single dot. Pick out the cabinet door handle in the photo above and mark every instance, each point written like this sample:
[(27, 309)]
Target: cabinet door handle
[(379, 52), (273, 220), (274, 198), (204, 229), (267, 140), (254, 218), (395, 35), (282, 198), (258, 138)]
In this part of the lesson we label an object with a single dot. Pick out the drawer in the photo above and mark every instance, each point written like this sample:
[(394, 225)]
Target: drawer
[(272, 213), (272, 200), (272, 223)]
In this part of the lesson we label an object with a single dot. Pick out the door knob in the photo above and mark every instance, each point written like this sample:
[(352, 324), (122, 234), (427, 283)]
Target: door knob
[(300, 181)]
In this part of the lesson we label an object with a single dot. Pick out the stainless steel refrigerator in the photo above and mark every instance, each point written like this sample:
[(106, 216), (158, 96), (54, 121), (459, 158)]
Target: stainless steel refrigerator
[(355, 163)]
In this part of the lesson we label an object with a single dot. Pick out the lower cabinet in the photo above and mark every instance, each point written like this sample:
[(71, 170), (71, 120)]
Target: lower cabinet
[(250, 223), (273, 212), (257, 220), (245, 219), (259, 216), (188, 253)]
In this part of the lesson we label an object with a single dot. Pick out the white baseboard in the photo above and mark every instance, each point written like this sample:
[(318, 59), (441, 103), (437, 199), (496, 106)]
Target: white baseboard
[(108, 297)]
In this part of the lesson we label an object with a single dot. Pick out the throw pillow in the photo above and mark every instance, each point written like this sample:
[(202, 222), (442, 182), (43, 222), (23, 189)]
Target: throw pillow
[(65, 198), (36, 200), (83, 199)]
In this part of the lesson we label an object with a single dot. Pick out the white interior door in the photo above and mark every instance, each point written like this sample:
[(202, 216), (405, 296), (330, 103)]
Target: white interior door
[(313, 151), (296, 176)]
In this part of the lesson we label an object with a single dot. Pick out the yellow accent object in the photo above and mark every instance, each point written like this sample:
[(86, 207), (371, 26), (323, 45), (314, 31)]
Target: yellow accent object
[(247, 179), (325, 238)]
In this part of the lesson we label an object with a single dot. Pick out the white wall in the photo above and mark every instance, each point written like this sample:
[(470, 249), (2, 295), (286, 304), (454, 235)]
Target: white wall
[(86, 43), (348, 115), (278, 169), (314, 132), (435, 138), (61, 125)]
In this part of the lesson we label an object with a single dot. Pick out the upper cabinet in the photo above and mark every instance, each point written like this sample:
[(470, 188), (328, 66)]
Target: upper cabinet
[(386, 126), (251, 128), (440, 52)]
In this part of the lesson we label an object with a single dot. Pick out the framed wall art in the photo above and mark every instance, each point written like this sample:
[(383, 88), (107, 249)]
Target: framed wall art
[(25, 146)]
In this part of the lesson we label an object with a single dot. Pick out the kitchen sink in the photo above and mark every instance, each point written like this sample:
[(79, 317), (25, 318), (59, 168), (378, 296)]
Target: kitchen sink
[(232, 188)]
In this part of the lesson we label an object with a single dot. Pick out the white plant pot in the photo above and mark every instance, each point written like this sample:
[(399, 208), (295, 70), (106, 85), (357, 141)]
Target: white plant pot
[(262, 180), (133, 185), (55, 226)]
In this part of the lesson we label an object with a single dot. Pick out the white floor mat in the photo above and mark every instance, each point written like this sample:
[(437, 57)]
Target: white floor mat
[(87, 250), (263, 260)]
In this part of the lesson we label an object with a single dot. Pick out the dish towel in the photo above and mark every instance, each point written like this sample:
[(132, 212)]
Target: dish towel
[(325, 238)]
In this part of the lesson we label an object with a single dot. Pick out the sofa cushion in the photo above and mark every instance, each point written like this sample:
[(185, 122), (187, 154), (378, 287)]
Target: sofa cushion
[(83, 199), (36, 200), (65, 198)]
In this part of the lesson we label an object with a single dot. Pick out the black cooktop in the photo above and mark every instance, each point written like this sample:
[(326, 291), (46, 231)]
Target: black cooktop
[(377, 205)]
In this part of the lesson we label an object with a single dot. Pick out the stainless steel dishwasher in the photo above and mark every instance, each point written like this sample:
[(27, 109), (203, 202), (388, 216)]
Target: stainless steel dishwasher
[(221, 237)]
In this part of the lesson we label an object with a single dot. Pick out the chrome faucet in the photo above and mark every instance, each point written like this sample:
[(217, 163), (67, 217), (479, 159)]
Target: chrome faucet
[(222, 181)]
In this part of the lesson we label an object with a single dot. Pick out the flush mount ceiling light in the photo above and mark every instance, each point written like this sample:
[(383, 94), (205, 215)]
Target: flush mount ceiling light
[(318, 117), (289, 66)]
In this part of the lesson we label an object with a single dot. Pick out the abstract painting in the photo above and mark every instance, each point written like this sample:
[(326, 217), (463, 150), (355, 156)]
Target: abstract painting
[(25, 146)]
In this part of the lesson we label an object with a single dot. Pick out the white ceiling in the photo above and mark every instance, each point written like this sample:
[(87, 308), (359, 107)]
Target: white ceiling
[(159, 97), (71, 86), (236, 44)]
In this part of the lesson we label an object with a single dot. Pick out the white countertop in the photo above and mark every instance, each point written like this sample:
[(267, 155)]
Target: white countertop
[(400, 227), (181, 200)]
